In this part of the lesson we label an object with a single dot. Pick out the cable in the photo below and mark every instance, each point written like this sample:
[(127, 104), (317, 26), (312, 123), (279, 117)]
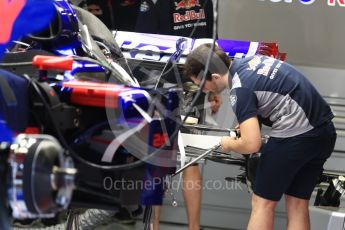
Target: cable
[(202, 83), (197, 22), (203, 80), (16, 64), (189, 36), (173, 58)]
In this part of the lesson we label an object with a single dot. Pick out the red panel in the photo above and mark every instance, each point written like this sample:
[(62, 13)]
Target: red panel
[(95, 94), (52, 62)]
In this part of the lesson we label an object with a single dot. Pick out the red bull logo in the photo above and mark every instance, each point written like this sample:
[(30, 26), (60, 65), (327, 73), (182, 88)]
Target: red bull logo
[(188, 16), (186, 4)]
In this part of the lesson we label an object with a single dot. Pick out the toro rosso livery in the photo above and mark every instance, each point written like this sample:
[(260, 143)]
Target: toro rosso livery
[(75, 120)]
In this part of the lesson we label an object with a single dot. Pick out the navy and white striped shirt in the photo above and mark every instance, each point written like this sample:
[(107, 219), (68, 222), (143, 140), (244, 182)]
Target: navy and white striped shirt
[(278, 94)]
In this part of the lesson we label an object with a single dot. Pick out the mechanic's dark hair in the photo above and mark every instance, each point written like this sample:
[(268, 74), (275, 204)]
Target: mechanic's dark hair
[(196, 60)]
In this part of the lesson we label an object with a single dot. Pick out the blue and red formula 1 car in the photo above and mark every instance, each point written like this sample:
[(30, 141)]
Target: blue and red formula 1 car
[(75, 122)]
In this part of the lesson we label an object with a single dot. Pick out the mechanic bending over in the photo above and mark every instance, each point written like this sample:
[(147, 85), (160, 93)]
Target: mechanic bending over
[(269, 91)]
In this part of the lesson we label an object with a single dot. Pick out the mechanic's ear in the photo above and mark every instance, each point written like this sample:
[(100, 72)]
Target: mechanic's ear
[(216, 76)]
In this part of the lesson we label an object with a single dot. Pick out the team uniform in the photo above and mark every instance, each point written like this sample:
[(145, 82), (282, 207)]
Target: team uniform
[(175, 17), (302, 136)]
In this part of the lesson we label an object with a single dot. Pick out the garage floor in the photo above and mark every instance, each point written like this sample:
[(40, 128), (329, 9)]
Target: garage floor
[(139, 226)]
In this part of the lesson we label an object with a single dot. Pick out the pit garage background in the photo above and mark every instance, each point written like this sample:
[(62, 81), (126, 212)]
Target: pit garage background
[(312, 33)]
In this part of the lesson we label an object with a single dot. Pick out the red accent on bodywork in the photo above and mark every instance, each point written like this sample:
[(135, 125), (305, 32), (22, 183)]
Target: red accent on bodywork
[(101, 141), (32, 130), (9, 12), (159, 140), (52, 62), (94, 94)]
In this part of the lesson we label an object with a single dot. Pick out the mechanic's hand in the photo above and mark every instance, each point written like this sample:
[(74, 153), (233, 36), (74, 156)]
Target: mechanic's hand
[(238, 131), (225, 143), (215, 101)]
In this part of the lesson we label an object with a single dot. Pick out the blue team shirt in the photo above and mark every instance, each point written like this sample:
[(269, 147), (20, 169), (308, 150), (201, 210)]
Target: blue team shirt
[(176, 17), (279, 95)]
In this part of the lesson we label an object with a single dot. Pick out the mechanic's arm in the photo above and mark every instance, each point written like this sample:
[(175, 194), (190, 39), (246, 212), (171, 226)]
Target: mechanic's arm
[(250, 140)]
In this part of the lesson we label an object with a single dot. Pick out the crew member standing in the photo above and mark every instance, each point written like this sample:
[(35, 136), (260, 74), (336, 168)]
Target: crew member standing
[(187, 18), (272, 92)]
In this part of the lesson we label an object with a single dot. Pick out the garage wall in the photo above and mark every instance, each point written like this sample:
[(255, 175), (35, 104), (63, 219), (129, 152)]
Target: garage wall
[(312, 35)]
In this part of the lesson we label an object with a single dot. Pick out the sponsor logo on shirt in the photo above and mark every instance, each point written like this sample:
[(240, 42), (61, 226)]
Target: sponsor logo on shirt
[(188, 16), (266, 67), (253, 64), (186, 4), (144, 7), (233, 100), (189, 25), (274, 72)]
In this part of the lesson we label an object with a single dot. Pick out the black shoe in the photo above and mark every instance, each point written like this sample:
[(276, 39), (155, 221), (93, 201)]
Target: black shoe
[(123, 216)]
